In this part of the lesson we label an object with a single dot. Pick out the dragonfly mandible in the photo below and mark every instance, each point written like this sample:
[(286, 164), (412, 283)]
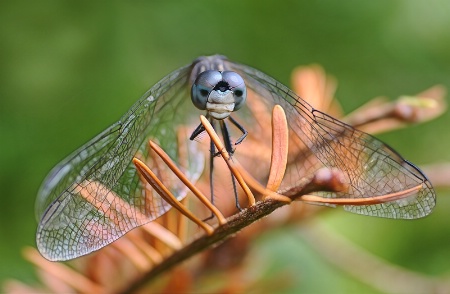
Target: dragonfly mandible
[(70, 226)]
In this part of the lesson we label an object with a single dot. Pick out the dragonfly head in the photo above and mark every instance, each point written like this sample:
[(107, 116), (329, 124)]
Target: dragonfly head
[(219, 93)]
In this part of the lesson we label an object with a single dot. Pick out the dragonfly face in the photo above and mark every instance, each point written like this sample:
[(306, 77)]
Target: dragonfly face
[(95, 195), (219, 93)]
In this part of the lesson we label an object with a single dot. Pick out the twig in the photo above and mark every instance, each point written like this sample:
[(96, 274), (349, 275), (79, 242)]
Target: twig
[(234, 224)]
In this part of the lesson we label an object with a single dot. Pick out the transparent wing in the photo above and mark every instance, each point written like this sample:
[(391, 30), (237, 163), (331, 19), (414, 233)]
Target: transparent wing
[(95, 195), (371, 167)]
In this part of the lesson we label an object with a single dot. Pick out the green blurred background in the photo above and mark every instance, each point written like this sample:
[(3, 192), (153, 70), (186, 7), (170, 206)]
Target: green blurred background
[(68, 69)]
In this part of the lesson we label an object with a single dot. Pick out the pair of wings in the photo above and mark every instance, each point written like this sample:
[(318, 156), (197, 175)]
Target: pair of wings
[(95, 196)]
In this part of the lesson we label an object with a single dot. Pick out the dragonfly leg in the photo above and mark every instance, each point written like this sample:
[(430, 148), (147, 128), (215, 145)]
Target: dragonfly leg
[(229, 148), (241, 128), (233, 180), (211, 169), (200, 128), (197, 132)]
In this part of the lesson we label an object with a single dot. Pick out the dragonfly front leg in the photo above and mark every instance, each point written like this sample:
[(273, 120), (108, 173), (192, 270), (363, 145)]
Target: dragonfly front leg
[(241, 128)]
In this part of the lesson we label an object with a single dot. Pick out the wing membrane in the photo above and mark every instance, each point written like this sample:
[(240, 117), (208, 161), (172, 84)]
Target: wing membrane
[(371, 167), (95, 196)]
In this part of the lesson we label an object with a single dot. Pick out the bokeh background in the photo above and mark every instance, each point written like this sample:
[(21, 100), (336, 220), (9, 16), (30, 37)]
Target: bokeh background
[(68, 69)]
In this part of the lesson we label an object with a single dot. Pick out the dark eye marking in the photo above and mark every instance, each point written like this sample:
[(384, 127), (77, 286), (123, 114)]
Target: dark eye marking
[(222, 86)]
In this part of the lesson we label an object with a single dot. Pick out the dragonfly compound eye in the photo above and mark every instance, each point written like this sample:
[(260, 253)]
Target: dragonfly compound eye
[(237, 85), (202, 87)]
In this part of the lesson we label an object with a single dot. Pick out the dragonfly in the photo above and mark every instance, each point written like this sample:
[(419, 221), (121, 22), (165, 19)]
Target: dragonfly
[(71, 226)]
